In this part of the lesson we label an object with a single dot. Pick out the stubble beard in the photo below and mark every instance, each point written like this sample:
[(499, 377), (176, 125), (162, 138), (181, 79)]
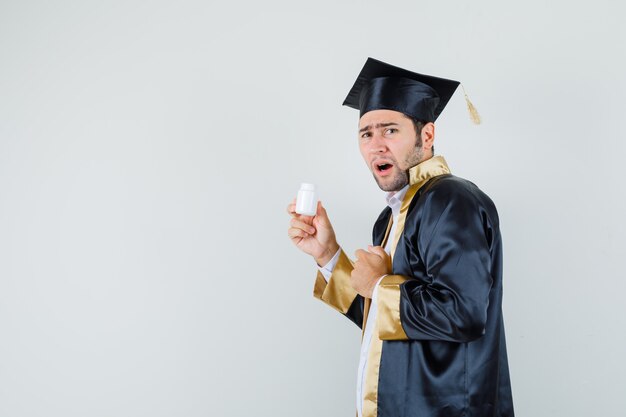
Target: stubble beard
[(401, 179)]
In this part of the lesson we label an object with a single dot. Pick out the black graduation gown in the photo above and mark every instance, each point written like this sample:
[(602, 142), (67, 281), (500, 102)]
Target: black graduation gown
[(439, 326)]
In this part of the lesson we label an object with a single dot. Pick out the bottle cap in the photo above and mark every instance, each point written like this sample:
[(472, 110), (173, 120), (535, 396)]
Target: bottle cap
[(307, 187)]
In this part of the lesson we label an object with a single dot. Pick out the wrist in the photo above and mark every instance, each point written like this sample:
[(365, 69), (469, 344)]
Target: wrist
[(327, 255)]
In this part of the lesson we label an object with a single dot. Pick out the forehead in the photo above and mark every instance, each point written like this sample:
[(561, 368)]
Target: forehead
[(382, 116)]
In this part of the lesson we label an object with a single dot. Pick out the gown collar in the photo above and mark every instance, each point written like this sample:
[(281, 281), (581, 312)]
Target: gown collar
[(428, 169)]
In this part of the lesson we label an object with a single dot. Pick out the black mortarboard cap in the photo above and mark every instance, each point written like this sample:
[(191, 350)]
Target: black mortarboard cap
[(384, 86)]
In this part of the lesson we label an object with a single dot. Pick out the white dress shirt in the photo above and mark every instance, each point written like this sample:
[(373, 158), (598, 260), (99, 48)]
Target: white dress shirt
[(394, 201)]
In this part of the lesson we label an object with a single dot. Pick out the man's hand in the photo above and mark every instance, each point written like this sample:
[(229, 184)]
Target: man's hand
[(313, 235), (368, 268)]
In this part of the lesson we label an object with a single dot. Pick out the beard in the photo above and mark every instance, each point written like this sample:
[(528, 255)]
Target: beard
[(401, 178), (395, 183)]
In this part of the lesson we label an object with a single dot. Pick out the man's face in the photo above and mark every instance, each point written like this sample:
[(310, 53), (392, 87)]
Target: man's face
[(390, 146)]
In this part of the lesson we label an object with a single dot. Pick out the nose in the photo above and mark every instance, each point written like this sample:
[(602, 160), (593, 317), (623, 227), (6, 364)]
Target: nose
[(377, 144)]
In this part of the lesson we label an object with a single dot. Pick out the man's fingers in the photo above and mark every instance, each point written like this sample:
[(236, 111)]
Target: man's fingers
[(294, 233), (291, 208), (299, 224), (378, 250), (373, 254), (360, 254)]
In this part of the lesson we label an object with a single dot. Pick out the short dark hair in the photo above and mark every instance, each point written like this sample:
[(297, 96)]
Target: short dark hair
[(419, 125)]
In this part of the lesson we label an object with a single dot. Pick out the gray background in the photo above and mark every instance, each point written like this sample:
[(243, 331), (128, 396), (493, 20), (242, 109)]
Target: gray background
[(148, 151)]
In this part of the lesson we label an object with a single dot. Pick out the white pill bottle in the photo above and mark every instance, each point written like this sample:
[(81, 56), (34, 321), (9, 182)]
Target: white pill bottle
[(306, 203)]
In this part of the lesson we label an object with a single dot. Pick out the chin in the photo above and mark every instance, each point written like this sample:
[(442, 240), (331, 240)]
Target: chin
[(395, 183)]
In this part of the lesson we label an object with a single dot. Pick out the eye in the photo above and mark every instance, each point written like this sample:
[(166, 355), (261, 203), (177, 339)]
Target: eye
[(391, 130), (366, 135)]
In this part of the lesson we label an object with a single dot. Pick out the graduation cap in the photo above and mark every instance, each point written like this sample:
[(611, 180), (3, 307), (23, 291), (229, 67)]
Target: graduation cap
[(384, 86)]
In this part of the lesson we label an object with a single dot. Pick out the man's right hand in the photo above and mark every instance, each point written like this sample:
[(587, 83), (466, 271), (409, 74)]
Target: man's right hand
[(313, 235)]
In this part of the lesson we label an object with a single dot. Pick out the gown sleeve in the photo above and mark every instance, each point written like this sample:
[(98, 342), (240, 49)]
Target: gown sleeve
[(338, 293), (445, 294)]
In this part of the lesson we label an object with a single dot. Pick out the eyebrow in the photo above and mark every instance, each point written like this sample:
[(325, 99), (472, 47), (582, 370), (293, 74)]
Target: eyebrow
[(377, 126)]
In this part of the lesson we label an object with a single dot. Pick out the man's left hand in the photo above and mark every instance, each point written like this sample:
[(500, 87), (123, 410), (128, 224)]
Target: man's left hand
[(369, 266)]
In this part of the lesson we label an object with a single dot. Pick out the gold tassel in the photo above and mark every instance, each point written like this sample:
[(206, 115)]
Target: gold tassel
[(474, 116)]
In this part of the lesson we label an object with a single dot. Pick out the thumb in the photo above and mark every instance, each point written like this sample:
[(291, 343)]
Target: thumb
[(321, 214), (378, 250)]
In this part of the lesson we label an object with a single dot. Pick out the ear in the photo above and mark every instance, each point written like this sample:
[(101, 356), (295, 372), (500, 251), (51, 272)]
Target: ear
[(428, 136)]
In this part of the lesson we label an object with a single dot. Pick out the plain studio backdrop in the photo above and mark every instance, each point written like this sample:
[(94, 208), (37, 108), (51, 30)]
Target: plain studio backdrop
[(148, 151)]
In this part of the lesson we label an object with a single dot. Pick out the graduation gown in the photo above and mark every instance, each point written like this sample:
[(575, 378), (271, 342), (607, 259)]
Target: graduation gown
[(438, 345)]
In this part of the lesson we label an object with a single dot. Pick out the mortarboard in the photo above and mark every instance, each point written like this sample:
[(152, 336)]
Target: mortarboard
[(384, 86)]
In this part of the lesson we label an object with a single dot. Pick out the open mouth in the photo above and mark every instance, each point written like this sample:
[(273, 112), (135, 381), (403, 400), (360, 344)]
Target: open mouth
[(383, 168)]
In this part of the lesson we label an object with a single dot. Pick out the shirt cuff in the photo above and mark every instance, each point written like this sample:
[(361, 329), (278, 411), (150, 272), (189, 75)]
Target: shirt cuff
[(375, 292), (327, 270)]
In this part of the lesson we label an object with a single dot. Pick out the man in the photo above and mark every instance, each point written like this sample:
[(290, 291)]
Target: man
[(428, 293)]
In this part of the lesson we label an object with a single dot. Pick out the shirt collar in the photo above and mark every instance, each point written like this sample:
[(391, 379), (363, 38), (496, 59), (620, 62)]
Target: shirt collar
[(394, 199)]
